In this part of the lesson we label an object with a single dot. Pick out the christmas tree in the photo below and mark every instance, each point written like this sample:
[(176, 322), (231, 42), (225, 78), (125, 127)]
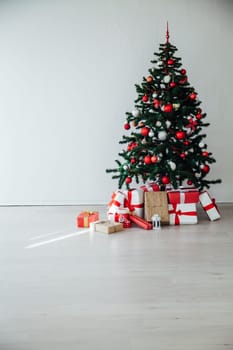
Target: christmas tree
[(164, 139)]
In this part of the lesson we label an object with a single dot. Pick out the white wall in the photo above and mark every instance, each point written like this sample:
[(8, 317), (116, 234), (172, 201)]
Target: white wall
[(67, 75)]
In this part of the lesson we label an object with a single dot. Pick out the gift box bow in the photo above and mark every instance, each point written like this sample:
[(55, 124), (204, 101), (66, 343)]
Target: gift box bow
[(179, 212), (117, 199)]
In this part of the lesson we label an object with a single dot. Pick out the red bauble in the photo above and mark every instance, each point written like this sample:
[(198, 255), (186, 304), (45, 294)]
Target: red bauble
[(149, 79), (189, 182), (205, 168), (168, 108), (170, 61), (205, 154), (180, 135), (193, 96), (186, 142), (182, 155), (145, 98), (133, 160), (156, 103), (199, 116), (126, 126), (147, 159), (154, 159), (165, 180), (172, 84), (145, 131), (128, 180), (183, 71)]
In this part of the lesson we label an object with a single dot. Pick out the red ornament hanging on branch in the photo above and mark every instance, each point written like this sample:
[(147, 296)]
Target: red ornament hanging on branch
[(128, 180), (145, 98), (165, 180), (145, 131), (168, 108), (180, 135)]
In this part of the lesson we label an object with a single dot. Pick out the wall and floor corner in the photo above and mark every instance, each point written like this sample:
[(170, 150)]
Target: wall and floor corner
[(67, 75)]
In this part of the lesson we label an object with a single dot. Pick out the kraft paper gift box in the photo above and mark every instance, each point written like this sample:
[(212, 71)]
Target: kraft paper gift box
[(209, 206), (86, 217), (134, 201), (182, 214), (106, 226), (186, 195), (156, 203)]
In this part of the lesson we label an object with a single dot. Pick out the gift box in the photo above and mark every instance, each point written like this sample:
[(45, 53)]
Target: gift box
[(156, 203), (185, 195), (116, 202), (107, 226), (86, 217), (150, 186), (134, 201), (120, 212), (140, 222), (182, 214), (209, 206)]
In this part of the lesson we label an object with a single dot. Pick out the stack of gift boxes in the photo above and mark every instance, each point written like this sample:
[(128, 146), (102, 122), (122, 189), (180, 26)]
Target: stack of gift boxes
[(174, 207)]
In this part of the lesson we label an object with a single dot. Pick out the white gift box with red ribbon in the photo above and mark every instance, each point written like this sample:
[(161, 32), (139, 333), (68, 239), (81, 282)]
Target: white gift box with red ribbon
[(182, 214), (150, 186), (209, 205), (132, 200)]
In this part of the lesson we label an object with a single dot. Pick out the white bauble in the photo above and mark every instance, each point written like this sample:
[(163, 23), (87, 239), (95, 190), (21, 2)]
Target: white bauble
[(125, 167), (201, 144), (154, 95), (135, 112), (172, 165), (151, 110), (168, 123), (160, 155), (159, 63), (167, 79), (151, 133), (162, 135), (144, 141), (162, 86), (158, 123)]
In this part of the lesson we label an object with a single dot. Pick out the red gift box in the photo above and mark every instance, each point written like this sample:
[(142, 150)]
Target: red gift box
[(186, 195), (86, 217)]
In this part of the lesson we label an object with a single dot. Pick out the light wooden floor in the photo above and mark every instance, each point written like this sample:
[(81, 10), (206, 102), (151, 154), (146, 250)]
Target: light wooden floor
[(139, 289)]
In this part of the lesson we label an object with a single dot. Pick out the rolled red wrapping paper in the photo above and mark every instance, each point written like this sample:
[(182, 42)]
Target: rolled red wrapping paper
[(140, 222)]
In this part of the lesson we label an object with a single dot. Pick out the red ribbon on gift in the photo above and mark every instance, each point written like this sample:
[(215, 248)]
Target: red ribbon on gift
[(128, 202), (179, 212), (114, 201), (211, 205)]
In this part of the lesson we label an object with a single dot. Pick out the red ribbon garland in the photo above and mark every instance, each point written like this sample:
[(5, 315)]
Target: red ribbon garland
[(128, 202), (179, 212)]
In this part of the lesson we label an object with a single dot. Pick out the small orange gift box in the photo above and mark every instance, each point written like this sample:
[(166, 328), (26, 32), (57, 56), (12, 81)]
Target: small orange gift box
[(84, 218)]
